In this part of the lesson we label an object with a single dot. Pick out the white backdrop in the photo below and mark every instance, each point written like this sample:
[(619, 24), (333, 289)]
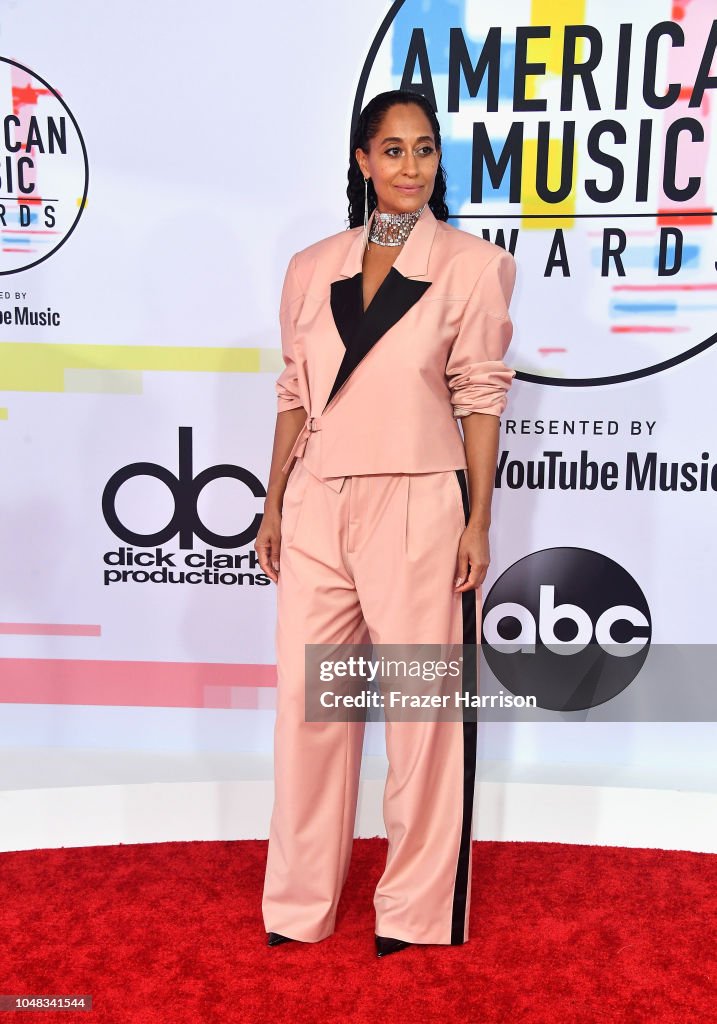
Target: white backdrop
[(217, 142)]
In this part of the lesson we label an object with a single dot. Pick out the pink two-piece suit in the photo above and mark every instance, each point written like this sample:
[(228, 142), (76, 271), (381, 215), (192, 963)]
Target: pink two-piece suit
[(373, 511)]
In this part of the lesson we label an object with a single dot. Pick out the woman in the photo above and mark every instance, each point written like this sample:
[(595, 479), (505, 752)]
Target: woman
[(391, 332)]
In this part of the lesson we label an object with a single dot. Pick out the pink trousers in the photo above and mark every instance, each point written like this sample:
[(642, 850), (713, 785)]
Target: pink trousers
[(371, 559)]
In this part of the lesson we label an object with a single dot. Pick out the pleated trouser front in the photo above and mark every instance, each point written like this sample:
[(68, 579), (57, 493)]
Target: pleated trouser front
[(374, 562)]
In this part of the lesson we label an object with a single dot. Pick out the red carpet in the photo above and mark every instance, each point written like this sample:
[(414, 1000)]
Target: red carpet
[(172, 932)]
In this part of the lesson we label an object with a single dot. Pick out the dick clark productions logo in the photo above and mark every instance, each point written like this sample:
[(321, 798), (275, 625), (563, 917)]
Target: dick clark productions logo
[(185, 489), (568, 625)]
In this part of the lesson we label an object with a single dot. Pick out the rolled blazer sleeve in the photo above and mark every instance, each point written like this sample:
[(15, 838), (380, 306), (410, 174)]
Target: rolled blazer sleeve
[(287, 384), (478, 378)]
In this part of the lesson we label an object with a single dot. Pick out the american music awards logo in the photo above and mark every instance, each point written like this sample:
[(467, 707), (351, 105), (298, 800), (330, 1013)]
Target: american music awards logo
[(44, 174), (583, 146)]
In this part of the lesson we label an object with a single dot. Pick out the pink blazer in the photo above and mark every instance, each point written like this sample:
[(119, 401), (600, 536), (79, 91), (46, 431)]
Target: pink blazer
[(383, 390)]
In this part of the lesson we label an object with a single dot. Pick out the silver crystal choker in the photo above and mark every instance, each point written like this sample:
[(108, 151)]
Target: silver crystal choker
[(393, 228)]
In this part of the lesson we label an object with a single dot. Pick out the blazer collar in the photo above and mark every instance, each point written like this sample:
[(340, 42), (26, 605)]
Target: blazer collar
[(412, 261)]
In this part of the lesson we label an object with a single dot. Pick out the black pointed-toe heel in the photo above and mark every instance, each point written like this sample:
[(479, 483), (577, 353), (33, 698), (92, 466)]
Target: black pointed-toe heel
[(385, 945), (274, 939)]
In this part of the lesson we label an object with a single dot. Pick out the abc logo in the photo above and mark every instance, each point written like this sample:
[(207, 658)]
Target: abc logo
[(567, 625), (185, 488)]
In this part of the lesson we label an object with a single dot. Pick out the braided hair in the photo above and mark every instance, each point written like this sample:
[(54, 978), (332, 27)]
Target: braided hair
[(367, 126)]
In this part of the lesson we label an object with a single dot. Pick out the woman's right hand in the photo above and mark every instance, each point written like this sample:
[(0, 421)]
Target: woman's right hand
[(289, 424), (268, 543)]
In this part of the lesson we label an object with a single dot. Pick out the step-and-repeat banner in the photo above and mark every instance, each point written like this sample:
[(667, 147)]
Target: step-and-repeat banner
[(158, 168)]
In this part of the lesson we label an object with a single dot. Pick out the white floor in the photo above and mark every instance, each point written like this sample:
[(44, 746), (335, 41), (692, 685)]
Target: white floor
[(138, 797)]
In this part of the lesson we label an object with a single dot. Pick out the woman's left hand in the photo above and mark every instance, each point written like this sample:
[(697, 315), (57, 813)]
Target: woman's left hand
[(473, 550)]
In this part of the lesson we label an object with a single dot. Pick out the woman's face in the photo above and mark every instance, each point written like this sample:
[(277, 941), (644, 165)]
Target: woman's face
[(402, 160)]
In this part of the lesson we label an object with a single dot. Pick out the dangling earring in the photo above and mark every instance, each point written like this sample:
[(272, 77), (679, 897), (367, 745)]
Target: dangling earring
[(365, 213)]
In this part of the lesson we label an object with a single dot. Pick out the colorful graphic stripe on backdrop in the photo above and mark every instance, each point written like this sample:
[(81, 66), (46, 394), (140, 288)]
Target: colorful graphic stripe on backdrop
[(38, 366)]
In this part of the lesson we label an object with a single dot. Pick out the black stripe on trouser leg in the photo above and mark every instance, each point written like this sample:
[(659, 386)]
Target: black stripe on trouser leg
[(470, 731)]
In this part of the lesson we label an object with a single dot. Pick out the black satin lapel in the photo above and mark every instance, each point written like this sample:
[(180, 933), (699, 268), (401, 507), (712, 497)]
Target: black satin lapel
[(347, 306), (360, 331)]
